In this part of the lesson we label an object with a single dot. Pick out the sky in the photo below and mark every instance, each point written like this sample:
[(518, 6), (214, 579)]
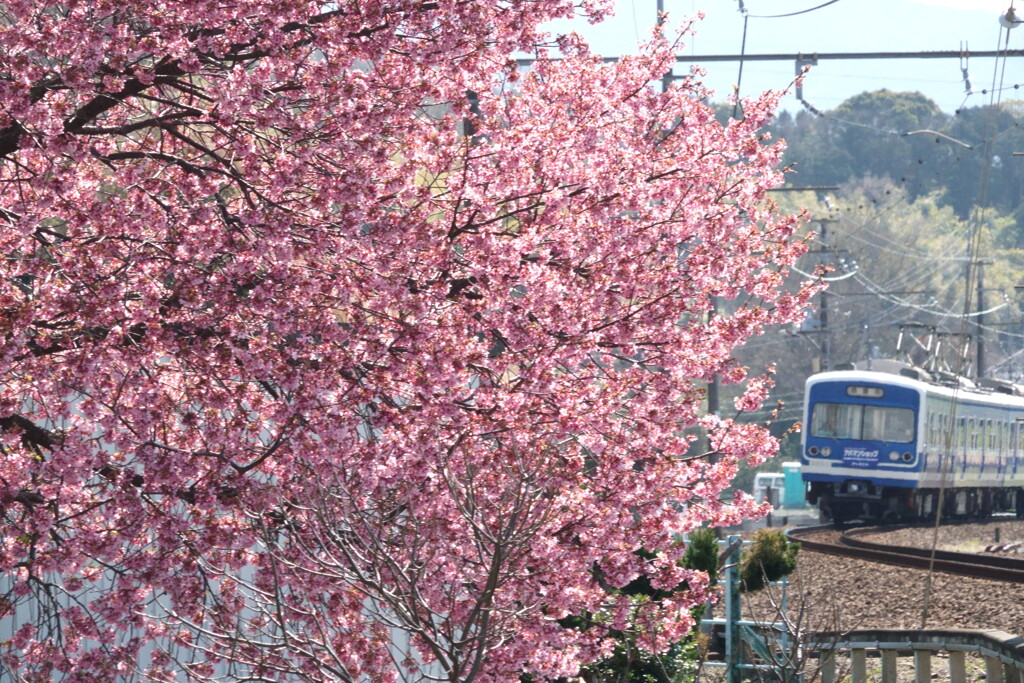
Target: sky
[(836, 26)]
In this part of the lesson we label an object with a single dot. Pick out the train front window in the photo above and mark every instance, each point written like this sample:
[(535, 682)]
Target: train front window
[(867, 423), (895, 425), (836, 420)]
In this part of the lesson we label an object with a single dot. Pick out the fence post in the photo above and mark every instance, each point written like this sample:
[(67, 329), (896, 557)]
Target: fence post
[(923, 666), (888, 666), (993, 670), (827, 665), (733, 645), (957, 667), (859, 665)]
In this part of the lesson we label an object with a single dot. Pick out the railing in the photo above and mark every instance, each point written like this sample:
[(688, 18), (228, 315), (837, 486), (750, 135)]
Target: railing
[(776, 654), (1002, 654)]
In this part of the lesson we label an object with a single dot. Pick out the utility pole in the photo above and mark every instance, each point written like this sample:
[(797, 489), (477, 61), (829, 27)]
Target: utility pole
[(979, 322), (668, 76), (824, 302), (823, 309), (981, 318)]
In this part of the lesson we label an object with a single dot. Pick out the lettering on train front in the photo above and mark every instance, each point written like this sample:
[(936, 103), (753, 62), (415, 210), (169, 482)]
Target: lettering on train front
[(860, 457)]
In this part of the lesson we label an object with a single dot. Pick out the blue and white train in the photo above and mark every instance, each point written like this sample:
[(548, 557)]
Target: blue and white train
[(885, 441)]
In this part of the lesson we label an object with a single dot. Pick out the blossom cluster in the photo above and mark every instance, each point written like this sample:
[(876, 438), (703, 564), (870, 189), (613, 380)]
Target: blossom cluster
[(323, 321)]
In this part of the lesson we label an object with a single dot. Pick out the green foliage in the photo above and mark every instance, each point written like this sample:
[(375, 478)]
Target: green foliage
[(770, 557), (894, 261), (986, 175), (631, 665), (969, 162), (702, 553), (897, 236)]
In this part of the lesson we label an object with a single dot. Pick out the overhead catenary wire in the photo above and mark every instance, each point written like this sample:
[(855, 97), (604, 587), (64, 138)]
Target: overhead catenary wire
[(823, 279), (910, 278), (972, 273), (793, 14), (743, 43), (948, 253)]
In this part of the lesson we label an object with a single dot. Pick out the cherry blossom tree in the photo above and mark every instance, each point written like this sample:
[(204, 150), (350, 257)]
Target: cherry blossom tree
[(335, 347)]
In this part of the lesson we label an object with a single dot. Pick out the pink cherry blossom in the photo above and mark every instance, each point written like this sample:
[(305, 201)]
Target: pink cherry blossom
[(335, 345)]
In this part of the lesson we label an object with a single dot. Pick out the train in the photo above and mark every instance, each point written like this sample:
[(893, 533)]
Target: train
[(885, 441)]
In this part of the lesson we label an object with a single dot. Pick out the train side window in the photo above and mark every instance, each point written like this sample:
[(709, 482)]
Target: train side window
[(895, 425)]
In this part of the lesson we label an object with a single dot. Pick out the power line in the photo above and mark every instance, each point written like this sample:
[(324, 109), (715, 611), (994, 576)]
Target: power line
[(803, 56), (793, 14)]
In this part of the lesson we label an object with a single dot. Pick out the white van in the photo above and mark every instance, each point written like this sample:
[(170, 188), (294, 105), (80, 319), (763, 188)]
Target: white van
[(769, 486)]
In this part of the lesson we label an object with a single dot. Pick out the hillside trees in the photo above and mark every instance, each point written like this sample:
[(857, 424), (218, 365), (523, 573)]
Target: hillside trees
[(901, 262), (987, 175), (863, 136), (964, 157), (300, 383)]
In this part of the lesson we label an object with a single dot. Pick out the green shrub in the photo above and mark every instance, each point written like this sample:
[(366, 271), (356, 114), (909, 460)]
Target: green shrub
[(770, 557), (702, 553)]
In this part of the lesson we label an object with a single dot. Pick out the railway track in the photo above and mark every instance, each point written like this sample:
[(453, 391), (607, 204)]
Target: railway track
[(995, 567)]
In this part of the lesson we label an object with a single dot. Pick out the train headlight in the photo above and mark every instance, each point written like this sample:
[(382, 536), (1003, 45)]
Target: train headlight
[(813, 450), (894, 456), (826, 451), (908, 457)]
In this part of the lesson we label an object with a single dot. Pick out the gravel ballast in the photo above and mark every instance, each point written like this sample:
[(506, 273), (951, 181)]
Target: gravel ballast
[(856, 594)]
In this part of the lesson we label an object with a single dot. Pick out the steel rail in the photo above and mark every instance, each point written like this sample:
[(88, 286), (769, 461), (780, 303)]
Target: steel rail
[(994, 567)]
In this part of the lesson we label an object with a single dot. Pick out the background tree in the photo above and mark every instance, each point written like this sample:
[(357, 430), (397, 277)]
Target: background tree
[(301, 383), (864, 136), (902, 262), (986, 175), (896, 262), (965, 157)]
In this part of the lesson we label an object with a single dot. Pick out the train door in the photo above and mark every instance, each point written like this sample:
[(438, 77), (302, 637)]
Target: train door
[(961, 444), (981, 444), (1000, 453), (930, 449), (1004, 449), (1012, 447), (972, 446), (948, 441)]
